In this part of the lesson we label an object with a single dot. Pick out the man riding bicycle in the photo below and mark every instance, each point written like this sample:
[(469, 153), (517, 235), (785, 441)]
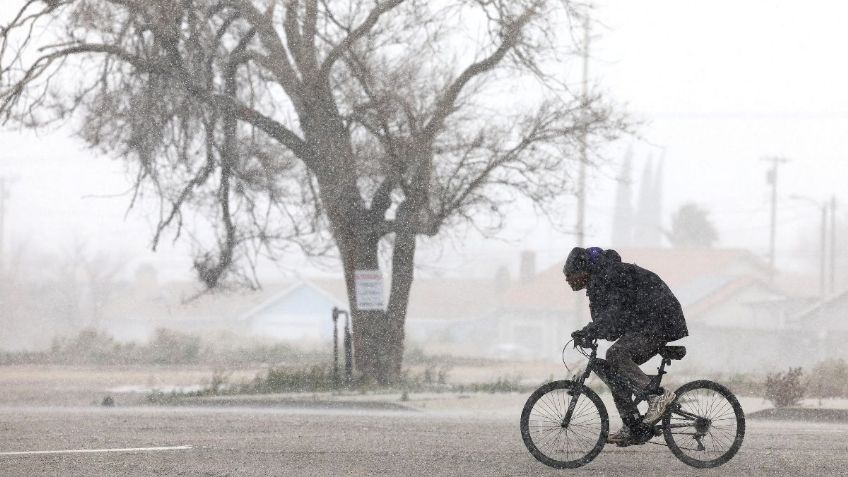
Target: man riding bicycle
[(636, 309)]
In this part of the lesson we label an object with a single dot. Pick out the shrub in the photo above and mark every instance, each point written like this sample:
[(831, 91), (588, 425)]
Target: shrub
[(503, 384), (828, 379), (784, 389), (167, 347), (90, 347), (432, 378), (171, 347), (278, 380)]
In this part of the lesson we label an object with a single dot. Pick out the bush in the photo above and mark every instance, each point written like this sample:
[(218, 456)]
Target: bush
[(784, 389), (828, 379), (279, 380), (167, 347), (503, 384), (171, 347), (742, 384), (90, 347)]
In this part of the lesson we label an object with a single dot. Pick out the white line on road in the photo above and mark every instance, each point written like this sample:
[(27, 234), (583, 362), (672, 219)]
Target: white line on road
[(92, 451)]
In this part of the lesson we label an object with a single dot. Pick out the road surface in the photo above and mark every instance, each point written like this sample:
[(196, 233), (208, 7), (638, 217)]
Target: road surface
[(272, 442)]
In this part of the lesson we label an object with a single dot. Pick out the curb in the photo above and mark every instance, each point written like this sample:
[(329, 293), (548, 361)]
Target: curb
[(802, 414), (266, 402)]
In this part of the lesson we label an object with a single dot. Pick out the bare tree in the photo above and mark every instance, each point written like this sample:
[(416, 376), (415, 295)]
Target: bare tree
[(78, 283), (312, 122)]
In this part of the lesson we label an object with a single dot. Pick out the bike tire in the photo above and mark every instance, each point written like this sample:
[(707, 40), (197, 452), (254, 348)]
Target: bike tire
[(723, 406), (539, 424)]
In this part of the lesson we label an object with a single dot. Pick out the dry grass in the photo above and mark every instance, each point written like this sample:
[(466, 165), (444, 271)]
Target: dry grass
[(23, 385)]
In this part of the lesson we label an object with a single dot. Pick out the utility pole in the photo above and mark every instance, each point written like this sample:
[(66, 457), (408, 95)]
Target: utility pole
[(581, 178), (823, 206), (833, 244), (823, 247), (771, 178), (4, 194), (579, 302)]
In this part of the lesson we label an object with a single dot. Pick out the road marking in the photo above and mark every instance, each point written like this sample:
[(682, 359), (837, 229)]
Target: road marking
[(93, 451)]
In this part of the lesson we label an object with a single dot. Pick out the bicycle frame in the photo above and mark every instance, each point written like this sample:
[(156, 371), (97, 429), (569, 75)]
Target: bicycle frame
[(601, 368)]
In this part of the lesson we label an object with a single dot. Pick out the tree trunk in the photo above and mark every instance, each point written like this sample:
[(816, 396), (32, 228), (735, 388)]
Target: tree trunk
[(369, 326), (403, 273), (378, 336)]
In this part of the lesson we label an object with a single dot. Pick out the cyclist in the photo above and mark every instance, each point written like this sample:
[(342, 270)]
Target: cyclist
[(636, 309)]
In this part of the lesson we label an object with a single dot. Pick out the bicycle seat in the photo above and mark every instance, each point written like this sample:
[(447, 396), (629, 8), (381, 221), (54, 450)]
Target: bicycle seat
[(673, 352)]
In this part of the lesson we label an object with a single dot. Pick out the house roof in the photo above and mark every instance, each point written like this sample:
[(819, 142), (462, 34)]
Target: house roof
[(435, 298), (802, 285), (818, 309), (430, 299), (172, 301), (698, 277), (285, 291)]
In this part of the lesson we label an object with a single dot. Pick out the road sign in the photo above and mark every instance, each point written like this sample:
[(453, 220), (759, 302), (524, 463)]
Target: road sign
[(369, 290)]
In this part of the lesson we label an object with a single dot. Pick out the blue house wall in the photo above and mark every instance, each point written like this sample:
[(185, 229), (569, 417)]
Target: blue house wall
[(301, 314)]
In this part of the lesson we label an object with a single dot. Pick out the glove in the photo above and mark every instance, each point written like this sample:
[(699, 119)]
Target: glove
[(581, 338)]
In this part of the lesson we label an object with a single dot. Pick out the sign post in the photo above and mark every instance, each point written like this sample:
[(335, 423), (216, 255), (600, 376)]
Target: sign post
[(336, 312), (348, 348)]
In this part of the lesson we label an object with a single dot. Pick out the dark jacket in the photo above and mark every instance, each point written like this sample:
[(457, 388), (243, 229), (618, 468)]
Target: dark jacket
[(626, 298)]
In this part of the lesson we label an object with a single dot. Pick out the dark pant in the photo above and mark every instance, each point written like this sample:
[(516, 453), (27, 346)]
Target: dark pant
[(622, 374)]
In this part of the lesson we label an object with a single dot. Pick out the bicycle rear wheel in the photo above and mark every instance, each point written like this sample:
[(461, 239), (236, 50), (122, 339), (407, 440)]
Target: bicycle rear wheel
[(568, 445), (704, 426)]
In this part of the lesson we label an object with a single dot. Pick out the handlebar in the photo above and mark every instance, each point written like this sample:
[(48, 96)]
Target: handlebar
[(581, 344), (589, 343)]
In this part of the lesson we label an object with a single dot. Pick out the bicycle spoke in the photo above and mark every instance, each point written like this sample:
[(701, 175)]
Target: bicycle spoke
[(549, 410), (580, 436), (714, 411)]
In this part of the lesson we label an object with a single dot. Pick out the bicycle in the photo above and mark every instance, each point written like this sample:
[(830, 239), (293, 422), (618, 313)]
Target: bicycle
[(564, 424)]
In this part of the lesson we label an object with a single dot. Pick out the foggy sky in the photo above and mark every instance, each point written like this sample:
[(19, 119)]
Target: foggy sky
[(718, 86)]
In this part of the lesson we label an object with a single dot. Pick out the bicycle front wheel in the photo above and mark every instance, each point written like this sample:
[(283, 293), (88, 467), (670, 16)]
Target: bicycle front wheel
[(705, 425), (558, 441)]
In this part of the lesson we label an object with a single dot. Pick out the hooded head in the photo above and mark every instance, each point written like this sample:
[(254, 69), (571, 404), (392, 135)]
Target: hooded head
[(579, 266)]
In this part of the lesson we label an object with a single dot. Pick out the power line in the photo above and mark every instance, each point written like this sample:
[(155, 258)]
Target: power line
[(745, 115)]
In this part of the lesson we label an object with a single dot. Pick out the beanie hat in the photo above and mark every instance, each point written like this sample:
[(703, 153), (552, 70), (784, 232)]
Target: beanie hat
[(581, 260)]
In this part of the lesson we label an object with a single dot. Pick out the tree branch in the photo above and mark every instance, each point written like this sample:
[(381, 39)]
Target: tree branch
[(355, 35), (278, 63), (445, 106), (381, 201)]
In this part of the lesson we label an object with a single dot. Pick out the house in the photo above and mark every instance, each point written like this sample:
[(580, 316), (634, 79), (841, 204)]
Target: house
[(738, 321), (300, 312), (725, 295), (821, 330), (137, 309), (444, 315)]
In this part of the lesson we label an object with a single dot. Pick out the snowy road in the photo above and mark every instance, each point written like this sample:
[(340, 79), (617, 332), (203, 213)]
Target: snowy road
[(260, 442)]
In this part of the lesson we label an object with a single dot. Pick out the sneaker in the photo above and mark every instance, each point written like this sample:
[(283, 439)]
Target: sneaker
[(622, 437), (657, 405)]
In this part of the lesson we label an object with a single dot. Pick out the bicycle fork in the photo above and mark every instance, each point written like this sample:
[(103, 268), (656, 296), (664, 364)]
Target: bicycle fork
[(575, 395)]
